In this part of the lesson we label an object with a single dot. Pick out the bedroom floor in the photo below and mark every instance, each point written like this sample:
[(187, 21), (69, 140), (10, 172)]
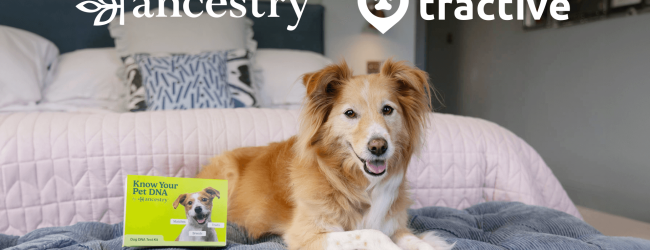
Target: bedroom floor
[(614, 225)]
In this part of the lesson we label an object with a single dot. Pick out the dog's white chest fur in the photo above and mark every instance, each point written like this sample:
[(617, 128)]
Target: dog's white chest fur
[(383, 192)]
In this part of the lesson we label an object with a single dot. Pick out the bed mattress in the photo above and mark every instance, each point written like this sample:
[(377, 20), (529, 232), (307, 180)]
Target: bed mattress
[(57, 169)]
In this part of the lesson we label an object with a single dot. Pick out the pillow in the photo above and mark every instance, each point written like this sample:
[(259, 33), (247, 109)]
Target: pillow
[(282, 70), (181, 34), (131, 76), (185, 81), (27, 62), (87, 76), (243, 88)]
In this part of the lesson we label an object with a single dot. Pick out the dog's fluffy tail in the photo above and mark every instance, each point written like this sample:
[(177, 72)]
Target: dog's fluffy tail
[(437, 242), (225, 167)]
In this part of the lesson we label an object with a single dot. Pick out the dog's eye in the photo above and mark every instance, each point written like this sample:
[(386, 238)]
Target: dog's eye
[(204, 199), (189, 203), (350, 114), (387, 110)]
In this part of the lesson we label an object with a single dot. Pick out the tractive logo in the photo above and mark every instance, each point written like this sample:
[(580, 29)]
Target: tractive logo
[(383, 24), (558, 10), (143, 10)]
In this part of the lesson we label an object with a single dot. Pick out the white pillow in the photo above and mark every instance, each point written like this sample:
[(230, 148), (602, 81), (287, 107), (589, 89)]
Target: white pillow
[(87, 76), (282, 70), (181, 34), (26, 65)]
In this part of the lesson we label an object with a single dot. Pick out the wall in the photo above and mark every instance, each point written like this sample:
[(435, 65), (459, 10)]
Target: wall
[(344, 37), (443, 54), (579, 95)]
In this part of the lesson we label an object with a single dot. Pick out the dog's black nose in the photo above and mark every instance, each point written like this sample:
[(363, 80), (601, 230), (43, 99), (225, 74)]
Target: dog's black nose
[(377, 146), (198, 210)]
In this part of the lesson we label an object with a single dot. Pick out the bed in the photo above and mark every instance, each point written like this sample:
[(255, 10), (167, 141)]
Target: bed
[(61, 168), (62, 178)]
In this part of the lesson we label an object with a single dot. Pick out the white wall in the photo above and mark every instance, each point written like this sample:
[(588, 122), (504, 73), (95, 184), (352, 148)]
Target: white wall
[(579, 95), (344, 37)]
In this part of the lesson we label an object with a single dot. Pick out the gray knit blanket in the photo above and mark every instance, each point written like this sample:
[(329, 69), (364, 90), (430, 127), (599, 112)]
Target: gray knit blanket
[(492, 225)]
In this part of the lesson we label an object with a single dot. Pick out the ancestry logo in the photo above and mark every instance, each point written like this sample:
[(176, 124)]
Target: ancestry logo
[(144, 10)]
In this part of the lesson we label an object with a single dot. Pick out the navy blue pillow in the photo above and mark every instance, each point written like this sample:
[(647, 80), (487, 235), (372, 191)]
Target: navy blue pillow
[(185, 81)]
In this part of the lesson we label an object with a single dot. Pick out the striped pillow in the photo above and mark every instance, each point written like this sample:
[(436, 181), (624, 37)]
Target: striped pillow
[(186, 81)]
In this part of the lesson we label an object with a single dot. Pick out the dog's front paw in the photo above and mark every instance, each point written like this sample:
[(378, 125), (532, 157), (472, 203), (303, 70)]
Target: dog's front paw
[(436, 242), (410, 242), (360, 239)]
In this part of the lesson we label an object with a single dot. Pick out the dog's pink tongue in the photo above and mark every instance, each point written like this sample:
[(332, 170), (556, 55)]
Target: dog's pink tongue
[(377, 169), (201, 221)]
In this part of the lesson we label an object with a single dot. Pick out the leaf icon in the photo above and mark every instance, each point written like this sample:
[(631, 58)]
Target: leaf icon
[(82, 6), (114, 6), (98, 19)]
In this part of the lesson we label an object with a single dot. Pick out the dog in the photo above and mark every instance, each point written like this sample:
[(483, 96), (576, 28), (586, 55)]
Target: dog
[(340, 183), (198, 209)]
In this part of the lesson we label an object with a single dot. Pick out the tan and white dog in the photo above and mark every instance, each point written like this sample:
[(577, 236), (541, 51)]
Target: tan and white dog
[(198, 209), (341, 182)]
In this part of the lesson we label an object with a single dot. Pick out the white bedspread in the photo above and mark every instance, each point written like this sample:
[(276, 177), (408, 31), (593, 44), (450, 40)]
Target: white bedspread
[(57, 169)]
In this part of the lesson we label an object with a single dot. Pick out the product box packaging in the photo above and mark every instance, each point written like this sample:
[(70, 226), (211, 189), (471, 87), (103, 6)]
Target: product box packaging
[(169, 211)]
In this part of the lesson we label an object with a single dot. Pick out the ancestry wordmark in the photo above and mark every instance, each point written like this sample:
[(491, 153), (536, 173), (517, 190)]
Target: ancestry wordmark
[(144, 10)]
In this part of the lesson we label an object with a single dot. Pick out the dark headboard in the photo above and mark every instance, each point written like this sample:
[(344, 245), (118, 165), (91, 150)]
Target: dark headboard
[(71, 29)]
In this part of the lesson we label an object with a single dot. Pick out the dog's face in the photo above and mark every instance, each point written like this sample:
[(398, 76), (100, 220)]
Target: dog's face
[(367, 117), (198, 206), (375, 119)]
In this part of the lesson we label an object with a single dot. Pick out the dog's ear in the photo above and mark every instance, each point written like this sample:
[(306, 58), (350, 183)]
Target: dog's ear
[(410, 79), (322, 87), (307, 80), (325, 80), (212, 192), (181, 198), (414, 95)]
